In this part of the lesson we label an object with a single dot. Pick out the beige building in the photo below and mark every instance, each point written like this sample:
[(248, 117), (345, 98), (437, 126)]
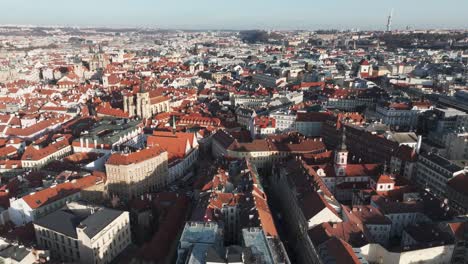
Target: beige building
[(84, 234), (137, 173)]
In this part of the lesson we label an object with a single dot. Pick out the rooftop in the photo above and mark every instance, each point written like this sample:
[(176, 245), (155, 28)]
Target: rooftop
[(90, 219), (200, 232)]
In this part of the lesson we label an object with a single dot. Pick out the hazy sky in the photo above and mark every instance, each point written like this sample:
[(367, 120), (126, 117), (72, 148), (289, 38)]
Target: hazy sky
[(238, 14)]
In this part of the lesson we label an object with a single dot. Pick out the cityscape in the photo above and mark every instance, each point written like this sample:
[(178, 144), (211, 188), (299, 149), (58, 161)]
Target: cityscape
[(224, 144)]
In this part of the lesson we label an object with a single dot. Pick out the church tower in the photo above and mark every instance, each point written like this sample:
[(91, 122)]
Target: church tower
[(341, 156), (143, 110)]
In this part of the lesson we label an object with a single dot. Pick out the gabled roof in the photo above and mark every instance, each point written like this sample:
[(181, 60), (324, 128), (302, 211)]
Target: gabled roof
[(313, 203), (347, 231), (176, 145), (34, 154), (338, 251), (59, 191), (353, 170)]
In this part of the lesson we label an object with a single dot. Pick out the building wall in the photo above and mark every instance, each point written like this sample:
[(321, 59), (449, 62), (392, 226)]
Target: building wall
[(310, 129), (20, 213), (375, 253), (284, 122), (102, 248), (457, 200), (37, 164), (107, 244), (348, 104), (231, 220), (294, 219), (431, 175), (457, 146), (265, 80), (392, 117), (140, 105), (402, 220), (178, 170), (323, 216), (61, 247), (129, 181)]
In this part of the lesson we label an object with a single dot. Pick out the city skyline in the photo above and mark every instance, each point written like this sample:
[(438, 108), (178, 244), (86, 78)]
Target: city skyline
[(208, 14)]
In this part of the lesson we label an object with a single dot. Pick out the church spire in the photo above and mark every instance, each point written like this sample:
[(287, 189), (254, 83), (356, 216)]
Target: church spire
[(343, 140), (341, 157)]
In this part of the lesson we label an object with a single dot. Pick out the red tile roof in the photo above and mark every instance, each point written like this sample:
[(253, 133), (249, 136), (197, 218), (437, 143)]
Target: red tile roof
[(176, 144), (135, 157), (340, 251), (7, 151), (38, 127), (51, 194), (32, 153), (459, 230), (107, 110), (347, 231)]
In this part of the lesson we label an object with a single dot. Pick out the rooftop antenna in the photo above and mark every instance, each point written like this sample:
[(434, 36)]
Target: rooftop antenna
[(389, 21)]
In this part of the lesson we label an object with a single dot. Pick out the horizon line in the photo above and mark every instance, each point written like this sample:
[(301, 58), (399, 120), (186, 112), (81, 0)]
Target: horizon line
[(356, 29)]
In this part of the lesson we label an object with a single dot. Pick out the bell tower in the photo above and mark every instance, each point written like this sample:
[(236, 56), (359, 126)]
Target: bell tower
[(143, 101), (341, 156)]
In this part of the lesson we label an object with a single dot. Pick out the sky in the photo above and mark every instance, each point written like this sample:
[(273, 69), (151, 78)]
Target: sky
[(237, 14)]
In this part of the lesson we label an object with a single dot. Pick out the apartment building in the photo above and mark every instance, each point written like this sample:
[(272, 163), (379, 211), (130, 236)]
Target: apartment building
[(434, 171), (83, 233), (38, 204), (136, 173)]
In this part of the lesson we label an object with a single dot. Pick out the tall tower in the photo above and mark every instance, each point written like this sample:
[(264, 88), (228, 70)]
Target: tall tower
[(341, 156), (143, 101), (389, 21)]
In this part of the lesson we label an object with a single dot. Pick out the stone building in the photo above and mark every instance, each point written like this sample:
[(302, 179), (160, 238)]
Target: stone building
[(136, 173), (145, 104), (81, 233)]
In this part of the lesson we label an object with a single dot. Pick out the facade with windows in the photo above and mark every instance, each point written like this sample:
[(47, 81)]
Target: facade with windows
[(434, 171), (137, 173), (84, 234)]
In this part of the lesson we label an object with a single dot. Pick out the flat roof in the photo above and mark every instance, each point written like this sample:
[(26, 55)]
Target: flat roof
[(451, 166), (200, 232)]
